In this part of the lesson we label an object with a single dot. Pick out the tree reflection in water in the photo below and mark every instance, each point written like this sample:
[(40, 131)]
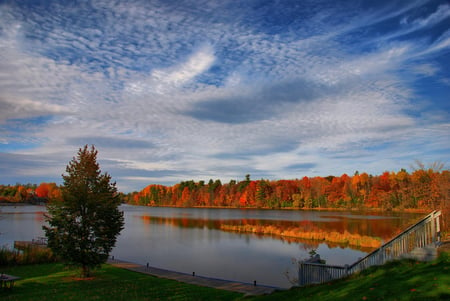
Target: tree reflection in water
[(357, 231)]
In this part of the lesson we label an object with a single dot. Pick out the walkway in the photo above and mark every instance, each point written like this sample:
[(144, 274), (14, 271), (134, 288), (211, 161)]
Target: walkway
[(240, 287)]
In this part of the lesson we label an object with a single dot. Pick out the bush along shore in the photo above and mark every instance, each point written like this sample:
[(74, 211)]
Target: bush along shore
[(30, 254)]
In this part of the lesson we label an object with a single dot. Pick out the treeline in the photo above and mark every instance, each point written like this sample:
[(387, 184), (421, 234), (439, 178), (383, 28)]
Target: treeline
[(32, 193), (421, 189), (29, 193)]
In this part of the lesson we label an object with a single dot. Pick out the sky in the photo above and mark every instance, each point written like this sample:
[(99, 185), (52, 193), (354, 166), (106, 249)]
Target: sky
[(171, 91)]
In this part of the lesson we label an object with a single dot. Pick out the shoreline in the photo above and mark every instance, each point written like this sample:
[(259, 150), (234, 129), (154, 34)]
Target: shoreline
[(363, 209), (16, 204), (397, 210)]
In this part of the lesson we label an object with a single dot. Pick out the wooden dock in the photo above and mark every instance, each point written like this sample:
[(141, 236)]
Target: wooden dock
[(39, 242), (240, 287)]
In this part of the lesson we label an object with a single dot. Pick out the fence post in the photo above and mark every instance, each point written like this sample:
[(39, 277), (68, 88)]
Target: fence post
[(438, 229), (300, 268)]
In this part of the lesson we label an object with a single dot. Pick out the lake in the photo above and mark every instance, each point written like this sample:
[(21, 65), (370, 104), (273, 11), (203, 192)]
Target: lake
[(191, 240)]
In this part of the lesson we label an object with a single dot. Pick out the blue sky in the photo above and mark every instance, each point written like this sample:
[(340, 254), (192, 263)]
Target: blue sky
[(169, 91)]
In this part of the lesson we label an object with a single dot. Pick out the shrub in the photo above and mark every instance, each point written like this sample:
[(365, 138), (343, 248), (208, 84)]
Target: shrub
[(29, 255)]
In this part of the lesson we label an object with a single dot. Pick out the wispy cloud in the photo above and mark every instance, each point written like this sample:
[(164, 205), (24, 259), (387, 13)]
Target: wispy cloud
[(441, 14), (165, 80)]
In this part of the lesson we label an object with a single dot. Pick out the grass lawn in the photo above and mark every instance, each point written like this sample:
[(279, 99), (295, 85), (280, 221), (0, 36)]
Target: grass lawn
[(55, 282), (402, 280)]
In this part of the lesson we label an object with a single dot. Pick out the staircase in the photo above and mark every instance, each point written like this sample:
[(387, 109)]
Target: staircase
[(418, 241)]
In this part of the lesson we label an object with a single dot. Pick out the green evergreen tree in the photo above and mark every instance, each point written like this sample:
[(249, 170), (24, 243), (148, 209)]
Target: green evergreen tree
[(84, 226)]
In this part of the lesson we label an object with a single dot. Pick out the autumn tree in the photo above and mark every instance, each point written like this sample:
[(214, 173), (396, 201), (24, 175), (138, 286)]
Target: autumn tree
[(42, 190), (84, 225), (22, 194), (48, 191)]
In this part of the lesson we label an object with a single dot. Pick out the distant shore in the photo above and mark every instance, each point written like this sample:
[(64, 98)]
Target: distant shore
[(15, 204), (381, 210)]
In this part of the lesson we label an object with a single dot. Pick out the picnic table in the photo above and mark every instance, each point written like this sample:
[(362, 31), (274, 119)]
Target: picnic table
[(7, 281)]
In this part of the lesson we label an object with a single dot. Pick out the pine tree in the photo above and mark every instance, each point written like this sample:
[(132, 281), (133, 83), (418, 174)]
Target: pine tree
[(84, 226)]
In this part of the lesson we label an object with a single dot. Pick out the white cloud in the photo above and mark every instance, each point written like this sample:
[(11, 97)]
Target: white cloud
[(25, 108), (425, 69), (442, 43), (441, 13), (151, 166), (199, 62), (445, 81), (164, 80)]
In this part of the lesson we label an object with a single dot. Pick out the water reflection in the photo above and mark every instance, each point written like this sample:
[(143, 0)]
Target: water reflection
[(359, 231), (20, 223)]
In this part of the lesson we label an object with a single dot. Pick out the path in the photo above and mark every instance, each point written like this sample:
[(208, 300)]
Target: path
[(245, 288)]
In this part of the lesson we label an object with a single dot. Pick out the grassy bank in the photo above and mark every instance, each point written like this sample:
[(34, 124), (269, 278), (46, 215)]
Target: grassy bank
[(399, 280), (404, 280)]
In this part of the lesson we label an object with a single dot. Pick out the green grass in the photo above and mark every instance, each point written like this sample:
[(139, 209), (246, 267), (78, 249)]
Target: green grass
[(402, 280), (55, 282)]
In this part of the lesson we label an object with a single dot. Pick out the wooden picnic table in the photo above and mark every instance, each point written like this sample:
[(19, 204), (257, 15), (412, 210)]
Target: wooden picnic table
[(7, 281)]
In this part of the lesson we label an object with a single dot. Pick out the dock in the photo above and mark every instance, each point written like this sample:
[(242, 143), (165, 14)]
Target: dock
[(240, 287), (39, 242)]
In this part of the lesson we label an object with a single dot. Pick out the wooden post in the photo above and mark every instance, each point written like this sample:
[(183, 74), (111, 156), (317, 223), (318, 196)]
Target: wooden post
[(438, 229)]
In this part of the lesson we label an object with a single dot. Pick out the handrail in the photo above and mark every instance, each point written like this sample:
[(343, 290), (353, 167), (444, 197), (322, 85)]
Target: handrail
[(423, 233), (423, 220)]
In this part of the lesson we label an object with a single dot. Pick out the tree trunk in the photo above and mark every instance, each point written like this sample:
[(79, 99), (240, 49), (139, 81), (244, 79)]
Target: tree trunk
[(86, 271)]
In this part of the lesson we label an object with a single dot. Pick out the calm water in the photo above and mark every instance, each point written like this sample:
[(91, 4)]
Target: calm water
[(189, 239)]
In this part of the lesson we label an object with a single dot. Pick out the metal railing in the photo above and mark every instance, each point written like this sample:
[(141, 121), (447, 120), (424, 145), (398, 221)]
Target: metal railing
[(424, 233)]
